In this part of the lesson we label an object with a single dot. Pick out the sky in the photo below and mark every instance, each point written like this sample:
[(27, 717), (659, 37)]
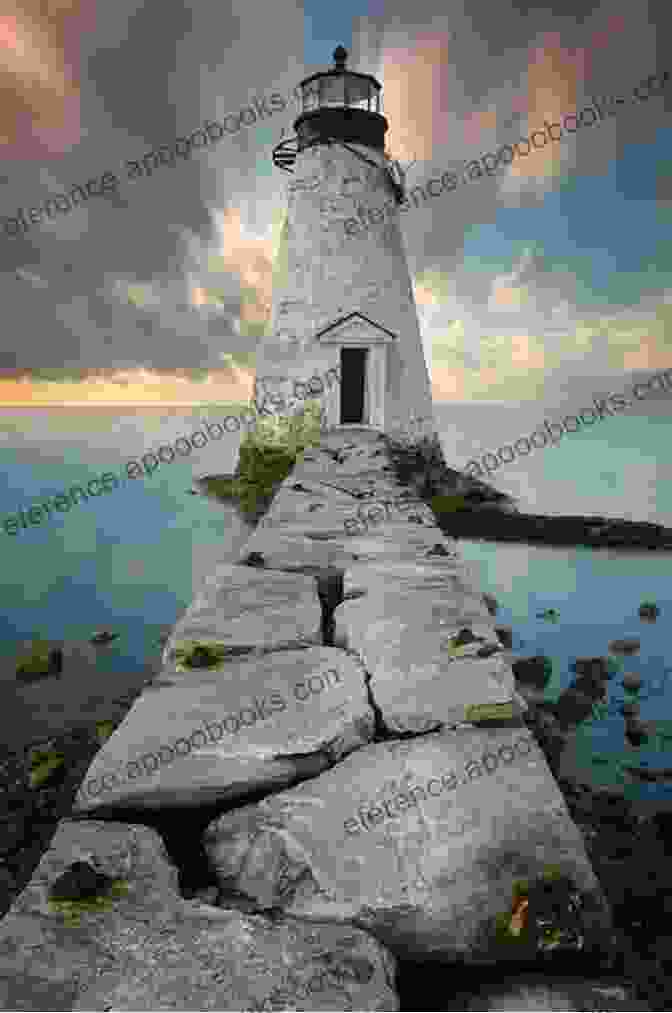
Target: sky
[(156, 289)]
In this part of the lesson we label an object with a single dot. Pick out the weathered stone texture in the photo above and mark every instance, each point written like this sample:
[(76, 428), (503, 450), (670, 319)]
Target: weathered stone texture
[(208, 736), (247, 609), (426, 878), (151, 950)]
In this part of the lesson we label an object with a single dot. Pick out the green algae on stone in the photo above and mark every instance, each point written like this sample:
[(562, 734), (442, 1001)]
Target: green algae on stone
[(43, 764), (448, 504), (104, 730), (490, 712), (190, 654), (72, 910), (40, 658)]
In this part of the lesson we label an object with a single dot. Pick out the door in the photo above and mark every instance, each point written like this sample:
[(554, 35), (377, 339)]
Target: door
[(353, 380)]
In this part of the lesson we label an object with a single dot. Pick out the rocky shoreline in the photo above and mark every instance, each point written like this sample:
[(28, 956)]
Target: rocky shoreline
[(30, 812), (630, 855), (493, 524)]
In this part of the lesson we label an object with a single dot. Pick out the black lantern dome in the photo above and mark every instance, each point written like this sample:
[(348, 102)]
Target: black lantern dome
[(337, 105)]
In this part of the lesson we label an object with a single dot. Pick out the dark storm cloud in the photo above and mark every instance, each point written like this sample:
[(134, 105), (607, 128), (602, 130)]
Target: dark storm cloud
[(152, 72)]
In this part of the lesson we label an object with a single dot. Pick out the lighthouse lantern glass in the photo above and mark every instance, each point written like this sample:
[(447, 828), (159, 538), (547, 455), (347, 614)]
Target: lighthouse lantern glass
[(310, 96), (332, 90), (342, 90)]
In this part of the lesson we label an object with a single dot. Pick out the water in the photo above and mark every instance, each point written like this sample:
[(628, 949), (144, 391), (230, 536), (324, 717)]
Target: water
[(129, 561), (132, 559), (619, 470)]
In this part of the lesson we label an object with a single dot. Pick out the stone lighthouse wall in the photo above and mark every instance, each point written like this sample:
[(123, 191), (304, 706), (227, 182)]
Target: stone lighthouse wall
[(330, 274)]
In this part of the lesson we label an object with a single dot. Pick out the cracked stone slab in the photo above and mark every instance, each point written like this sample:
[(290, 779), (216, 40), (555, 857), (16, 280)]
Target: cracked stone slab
[(377, 509), (293, 553), (413, 543), (446, 575), (419, 841), (206, 736), (246, 608), (149, 949), (293, 508), (405, 541), (413, 612), (407, 629), (417, 691)]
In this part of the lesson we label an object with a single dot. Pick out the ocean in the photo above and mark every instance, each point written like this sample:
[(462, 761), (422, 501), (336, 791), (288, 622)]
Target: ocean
[(132, 560)]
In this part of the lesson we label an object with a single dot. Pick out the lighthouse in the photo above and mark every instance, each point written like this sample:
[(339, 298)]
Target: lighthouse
[(344, 325)]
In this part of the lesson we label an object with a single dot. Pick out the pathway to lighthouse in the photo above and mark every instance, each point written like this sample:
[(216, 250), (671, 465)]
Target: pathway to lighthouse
[(371, 789)]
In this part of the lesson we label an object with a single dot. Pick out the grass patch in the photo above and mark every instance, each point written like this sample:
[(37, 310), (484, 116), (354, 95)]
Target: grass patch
[(267, 456)]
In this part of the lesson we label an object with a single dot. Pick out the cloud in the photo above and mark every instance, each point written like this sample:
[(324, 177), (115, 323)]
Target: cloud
[(179, 269)]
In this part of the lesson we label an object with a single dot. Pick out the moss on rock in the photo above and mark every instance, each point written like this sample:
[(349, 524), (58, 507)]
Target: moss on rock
[(191, 654), (43, 765), (72, 910), (41, 658)]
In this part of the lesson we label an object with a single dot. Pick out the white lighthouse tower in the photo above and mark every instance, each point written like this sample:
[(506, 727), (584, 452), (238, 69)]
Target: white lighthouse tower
[(346, 301)]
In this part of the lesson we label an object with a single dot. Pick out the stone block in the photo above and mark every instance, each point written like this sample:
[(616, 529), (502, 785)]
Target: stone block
[(423, 842), (548, 994), (146, 948), (208, 736), (245, 608)]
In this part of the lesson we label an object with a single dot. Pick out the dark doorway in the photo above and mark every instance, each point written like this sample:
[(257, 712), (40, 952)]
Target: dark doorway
[(353, 373)]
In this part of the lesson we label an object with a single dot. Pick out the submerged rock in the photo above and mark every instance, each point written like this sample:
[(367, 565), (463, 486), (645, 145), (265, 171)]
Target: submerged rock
[(39, 660), (505, 635), (647, 774), (103, 637), (632, 681), (596, 669), (628, 645), (636, 730), (552, 615), (535, 671), (649, 610)]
